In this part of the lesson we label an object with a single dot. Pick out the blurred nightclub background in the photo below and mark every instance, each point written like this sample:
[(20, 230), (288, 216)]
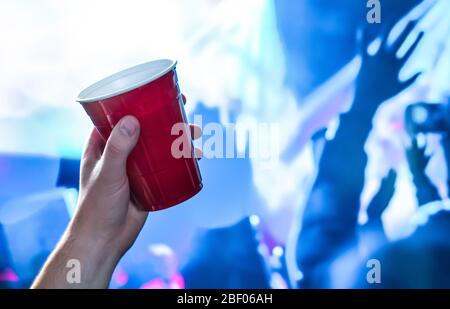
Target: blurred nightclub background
[(293, 63)]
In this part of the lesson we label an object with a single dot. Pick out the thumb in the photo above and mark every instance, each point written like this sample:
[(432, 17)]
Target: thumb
[(412, 80), (121, 142)]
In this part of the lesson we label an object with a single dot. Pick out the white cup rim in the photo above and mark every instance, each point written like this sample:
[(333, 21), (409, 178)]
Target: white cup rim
[(156, 69)]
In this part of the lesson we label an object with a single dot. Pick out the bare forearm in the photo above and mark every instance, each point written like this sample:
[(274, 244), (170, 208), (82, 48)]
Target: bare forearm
[(77, 263), (344, 158), (335, 194)]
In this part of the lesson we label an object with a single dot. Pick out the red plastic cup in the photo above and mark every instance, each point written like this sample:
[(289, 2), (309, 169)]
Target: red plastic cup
[(149, 92)]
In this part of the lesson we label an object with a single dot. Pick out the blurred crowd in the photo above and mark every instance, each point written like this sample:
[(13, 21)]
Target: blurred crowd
[(333, 249)]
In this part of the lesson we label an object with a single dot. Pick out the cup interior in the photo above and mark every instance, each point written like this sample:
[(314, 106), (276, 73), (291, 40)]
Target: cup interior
[(126, 80)]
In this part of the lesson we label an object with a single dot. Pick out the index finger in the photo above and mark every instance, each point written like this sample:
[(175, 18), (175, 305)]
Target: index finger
[(93, 148)]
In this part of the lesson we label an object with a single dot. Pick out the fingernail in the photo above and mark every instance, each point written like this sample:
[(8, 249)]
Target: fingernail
[(128, 127)]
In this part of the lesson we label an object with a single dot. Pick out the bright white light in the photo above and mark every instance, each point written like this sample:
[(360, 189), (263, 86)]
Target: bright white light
[(420, 115), (255, 220), (278, 251)]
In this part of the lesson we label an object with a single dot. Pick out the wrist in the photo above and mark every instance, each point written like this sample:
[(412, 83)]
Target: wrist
[(97, 257), (88, 229), (365, 105), (357, 123), (420, 179)]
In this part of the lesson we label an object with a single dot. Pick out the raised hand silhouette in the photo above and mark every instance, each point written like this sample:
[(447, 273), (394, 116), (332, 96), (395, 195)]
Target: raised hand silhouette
[(382, 199), (378, 79), (417, 158), (418, 161)]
